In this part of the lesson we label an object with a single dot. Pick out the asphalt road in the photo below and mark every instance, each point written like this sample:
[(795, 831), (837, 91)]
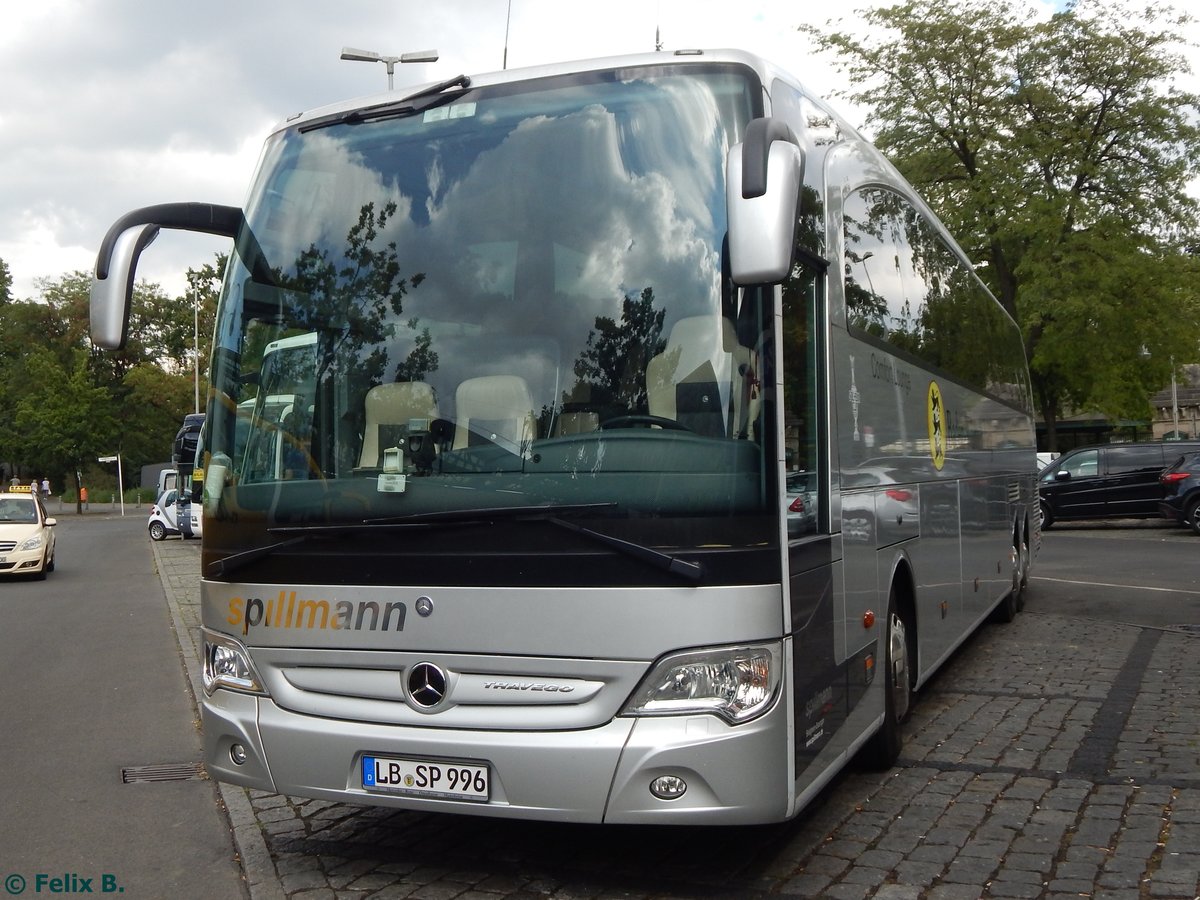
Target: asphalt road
[(92, 691), (1140, 572)]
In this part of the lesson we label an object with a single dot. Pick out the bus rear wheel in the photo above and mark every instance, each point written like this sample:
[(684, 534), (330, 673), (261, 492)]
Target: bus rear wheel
[(1012, 604), (883, 748)]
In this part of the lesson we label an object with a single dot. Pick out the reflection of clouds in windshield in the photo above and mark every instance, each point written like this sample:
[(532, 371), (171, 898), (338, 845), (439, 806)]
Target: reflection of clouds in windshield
[(535, 227), (565, 181), (320, 197)]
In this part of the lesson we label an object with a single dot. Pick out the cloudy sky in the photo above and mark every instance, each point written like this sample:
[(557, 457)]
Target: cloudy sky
[(107, 105)]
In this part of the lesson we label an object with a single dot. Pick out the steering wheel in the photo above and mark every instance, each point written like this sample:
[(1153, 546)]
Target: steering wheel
[(633, 421)]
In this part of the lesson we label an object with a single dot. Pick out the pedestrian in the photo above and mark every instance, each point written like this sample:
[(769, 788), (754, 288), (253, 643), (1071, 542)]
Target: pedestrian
[(45, 487)]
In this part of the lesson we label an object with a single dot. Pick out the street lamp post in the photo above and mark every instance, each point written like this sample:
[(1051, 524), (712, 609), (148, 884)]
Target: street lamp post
[(120, 480), (389, 61), (196, 341), (1174, 403)]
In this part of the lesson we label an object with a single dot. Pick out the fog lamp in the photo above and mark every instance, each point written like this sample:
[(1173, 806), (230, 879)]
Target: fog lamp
[(668, 787), (237, 753)]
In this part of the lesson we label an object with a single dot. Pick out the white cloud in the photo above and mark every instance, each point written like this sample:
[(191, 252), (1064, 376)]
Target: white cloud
[(112, 104)]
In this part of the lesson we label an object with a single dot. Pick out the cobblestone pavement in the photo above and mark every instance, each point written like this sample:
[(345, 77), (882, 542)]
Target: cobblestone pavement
[(1053, 757)]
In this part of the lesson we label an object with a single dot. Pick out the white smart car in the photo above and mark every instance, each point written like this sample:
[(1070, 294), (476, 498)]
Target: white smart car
[(163, 517)]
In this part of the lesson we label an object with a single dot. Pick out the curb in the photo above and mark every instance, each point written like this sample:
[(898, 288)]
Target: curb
[(258, 870)]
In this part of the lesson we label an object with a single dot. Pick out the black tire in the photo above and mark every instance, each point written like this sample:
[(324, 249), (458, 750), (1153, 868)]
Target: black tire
[(1025, 559), (1014, 602), (1047, 515), (883, 748), (1191, 515), (158, 531)]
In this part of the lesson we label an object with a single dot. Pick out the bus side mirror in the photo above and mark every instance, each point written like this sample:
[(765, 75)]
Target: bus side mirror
[(112, 292), (117, 259), (763, 175)]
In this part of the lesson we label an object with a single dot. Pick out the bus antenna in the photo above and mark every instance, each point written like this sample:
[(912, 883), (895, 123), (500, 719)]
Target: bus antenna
[(507, 19)]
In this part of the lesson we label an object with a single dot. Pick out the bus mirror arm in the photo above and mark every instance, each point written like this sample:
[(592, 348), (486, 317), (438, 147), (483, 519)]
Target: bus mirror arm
[(117, 259), (764, 174)]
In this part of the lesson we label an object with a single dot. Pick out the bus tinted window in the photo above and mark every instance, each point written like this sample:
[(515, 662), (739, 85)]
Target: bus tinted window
[(906, 287)]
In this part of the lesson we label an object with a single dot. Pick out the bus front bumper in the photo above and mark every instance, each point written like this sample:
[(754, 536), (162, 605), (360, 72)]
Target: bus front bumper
[(733, 775)]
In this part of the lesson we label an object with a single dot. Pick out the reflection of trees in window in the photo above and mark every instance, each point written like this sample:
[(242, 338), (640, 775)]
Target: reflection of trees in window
[(611, 369), (359, 297), (349, 298), (798, 338), (422, 359), (873, 238), (932, 308)]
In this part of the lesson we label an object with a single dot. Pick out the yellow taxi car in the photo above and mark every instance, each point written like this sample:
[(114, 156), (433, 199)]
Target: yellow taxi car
[(26, 533)]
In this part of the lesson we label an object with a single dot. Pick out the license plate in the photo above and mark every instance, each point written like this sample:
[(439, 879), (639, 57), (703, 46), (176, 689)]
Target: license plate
[(444, 779)]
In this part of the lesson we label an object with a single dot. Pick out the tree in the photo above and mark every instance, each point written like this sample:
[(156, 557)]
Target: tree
[(5, 283), (149, 382), (64, 420), (1057, 152)]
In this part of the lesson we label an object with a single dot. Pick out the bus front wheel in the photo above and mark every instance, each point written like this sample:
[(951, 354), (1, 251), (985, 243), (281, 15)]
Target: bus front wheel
[(883, 748)]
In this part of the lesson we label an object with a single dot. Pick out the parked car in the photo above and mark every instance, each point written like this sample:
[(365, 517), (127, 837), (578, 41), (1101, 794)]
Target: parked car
[(1109, 481), (801, 503), (26, 533), (164, 517), (1181, 487)]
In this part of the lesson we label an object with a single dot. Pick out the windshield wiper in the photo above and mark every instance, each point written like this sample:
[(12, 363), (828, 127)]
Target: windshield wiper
[(539, 511), (231, 564), (394, 109), (667, 563), (544, 512)]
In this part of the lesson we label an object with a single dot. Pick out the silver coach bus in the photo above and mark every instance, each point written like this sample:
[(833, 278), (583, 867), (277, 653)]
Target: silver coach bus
[(648, 443)]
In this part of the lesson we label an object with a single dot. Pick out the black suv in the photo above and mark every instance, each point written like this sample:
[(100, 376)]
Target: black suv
[(1181, 482), (1110, 481)]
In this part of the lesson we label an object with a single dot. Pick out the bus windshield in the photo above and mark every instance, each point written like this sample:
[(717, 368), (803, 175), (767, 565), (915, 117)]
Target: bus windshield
[(512, 300)]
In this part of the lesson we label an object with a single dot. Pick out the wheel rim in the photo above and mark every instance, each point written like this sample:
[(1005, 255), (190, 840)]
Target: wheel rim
[(1193, 517), (898, 659)]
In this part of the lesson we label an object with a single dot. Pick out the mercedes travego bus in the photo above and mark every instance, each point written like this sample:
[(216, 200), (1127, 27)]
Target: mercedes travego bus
[(619, 441)]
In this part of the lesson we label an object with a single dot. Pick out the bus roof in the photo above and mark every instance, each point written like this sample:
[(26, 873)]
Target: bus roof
[(767, 70)]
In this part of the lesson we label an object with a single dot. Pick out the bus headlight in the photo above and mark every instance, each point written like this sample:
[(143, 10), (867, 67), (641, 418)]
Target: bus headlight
[(736, 683), (227, 665)]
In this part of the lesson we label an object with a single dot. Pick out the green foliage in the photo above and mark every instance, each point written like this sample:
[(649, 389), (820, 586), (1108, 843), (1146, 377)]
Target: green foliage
[(5, 283), (1057, 151), (63, 420), (63, 403)]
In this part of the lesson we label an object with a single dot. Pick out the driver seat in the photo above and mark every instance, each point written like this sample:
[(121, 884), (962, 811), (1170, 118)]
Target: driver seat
[(495, 408), (703, 379), (390, 408)]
